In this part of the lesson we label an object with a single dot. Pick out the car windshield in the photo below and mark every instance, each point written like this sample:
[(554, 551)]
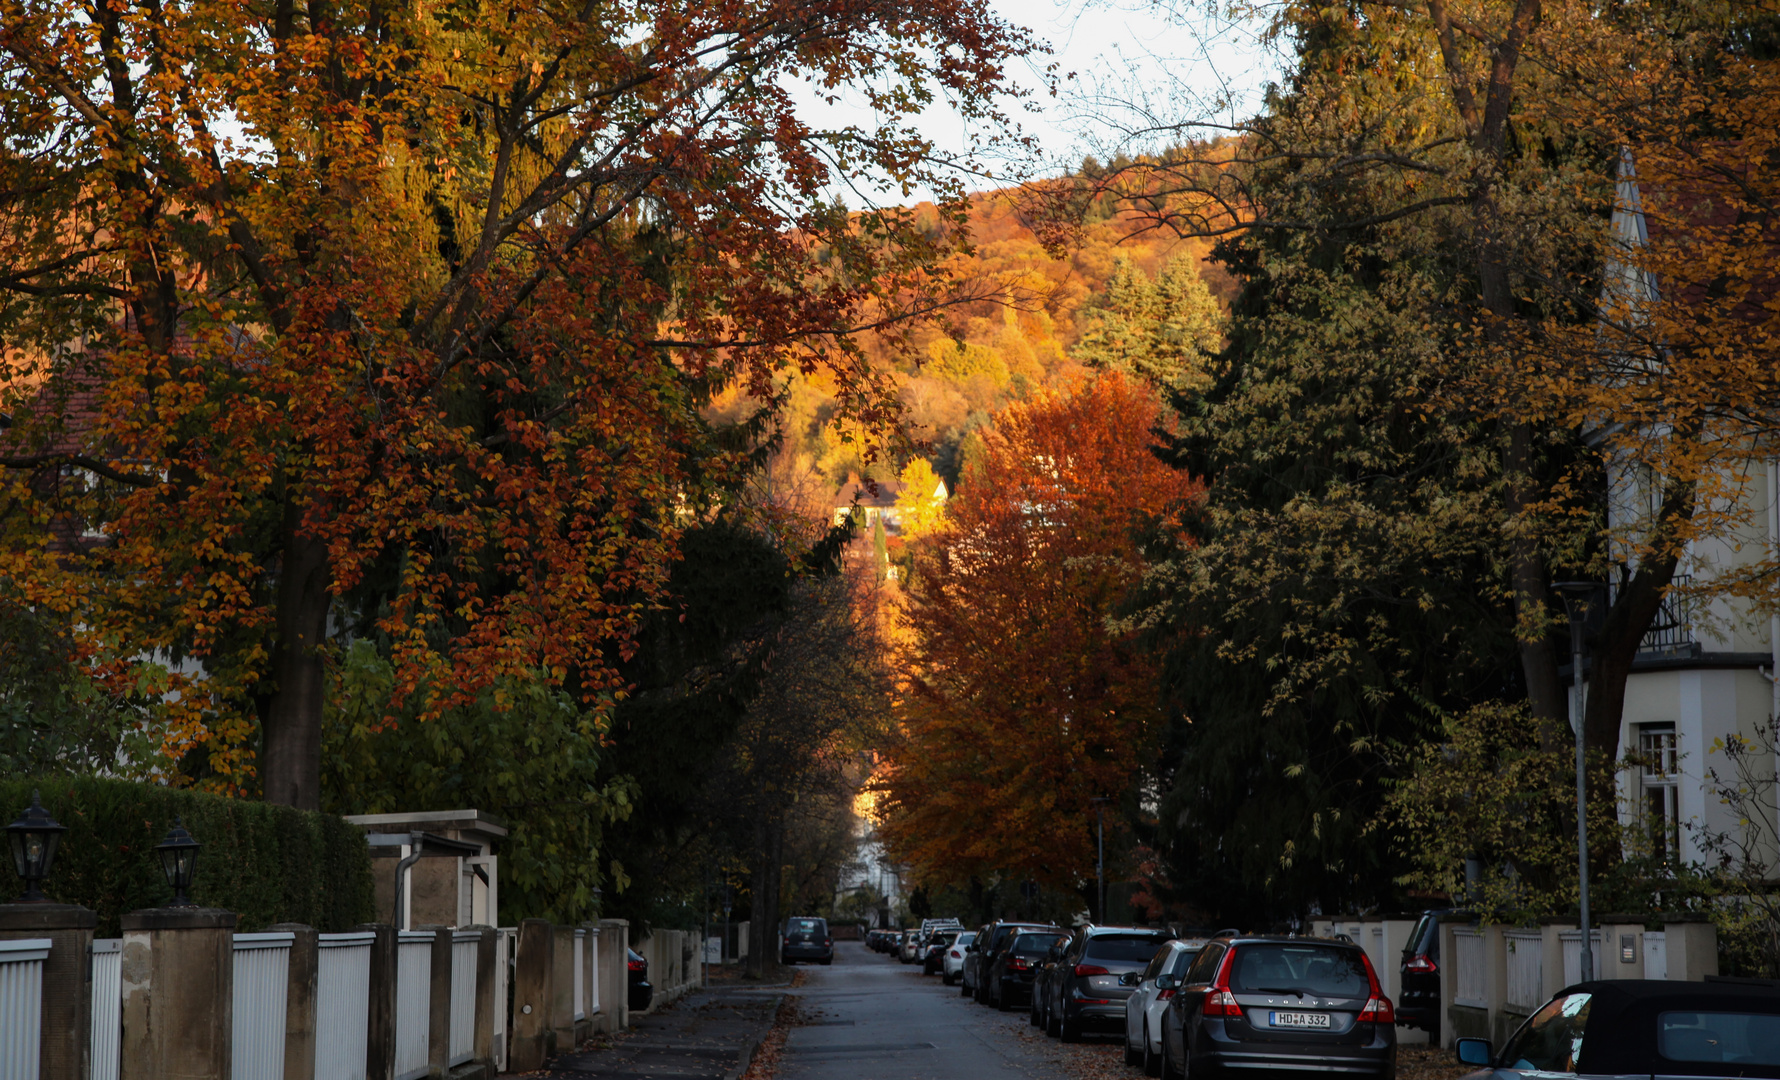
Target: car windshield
[(1183, 960), (1729, 1038), (803, 926), (944, 939), (1551, 1039), (1128, 948), (1306, 970), (1033, 944), (966, 939)]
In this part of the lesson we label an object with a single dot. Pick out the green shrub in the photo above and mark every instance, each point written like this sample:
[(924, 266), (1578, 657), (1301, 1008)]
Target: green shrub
[(268, 864)]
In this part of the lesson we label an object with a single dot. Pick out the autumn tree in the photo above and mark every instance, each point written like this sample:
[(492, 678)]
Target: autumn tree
[(398, 321), (1491, 135), (1163, 329), (1021, 704)]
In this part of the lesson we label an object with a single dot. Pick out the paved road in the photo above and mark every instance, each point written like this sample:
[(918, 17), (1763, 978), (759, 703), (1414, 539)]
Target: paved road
[(871, 1018)]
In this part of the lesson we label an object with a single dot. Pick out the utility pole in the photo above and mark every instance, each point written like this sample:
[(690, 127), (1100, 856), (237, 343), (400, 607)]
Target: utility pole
[(1100, 802), (1579, 597)]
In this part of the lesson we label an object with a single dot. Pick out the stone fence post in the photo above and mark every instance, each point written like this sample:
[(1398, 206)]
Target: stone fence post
[(67, 982), (438, 1045), (1692, 948), (614, 974), (380, 1024), (178, 994), (299, 1025), (533, 1040)]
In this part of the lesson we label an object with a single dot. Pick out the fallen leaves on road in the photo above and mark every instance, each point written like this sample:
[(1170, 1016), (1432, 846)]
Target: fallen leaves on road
[(765, 1062), (1429, 1063)]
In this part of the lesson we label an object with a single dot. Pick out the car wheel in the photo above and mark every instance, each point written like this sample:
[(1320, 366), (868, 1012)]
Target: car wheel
[(830, 960), (1166, 1070), (963, 987), (1132, 1057), (1152, 1061), (1002, 1001), (1052, 1027), (1070, 1031)]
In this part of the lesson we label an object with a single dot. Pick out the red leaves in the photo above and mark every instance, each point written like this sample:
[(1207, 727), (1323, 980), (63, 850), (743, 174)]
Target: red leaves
[(1024, 704)]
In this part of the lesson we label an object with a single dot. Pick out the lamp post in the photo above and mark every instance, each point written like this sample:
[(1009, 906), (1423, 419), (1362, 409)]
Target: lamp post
[(1579, 599), (34, 837), (179, 861), (1100, 802)]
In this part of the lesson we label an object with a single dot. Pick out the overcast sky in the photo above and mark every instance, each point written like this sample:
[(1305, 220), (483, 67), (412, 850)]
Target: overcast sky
[(1117, 62)]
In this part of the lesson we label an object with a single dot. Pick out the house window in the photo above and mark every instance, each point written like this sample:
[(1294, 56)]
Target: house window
[(1659, 776)]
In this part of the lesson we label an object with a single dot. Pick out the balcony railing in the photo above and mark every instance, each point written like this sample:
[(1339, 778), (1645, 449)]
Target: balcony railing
[(1672, 630)]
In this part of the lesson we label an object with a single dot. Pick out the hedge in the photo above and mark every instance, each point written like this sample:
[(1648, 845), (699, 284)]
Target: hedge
[(268, 864)]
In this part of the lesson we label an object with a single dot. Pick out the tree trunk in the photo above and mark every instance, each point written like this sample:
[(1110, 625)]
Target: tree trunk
[(290, 766), (763, 925), (1532, 600)]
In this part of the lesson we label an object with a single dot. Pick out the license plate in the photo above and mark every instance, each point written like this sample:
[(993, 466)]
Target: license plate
[(1299, 1019)]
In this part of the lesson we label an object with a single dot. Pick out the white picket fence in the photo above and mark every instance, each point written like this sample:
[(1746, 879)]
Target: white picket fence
[(259, 1007), (506, 945), (1525, 991), (1572, 940), (463, 996), (1470, 980), (414, 984), (21, 1006), (262, 984), (108, 1007), (342, 1005)]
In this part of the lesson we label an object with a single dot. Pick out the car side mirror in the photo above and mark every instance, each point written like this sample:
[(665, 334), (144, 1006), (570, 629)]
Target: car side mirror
[(1474, 1051), (1167, 982), (1131, 978), (970, 948)]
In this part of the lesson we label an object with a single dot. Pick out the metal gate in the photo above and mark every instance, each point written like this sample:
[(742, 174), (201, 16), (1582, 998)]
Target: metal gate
[(21, 1006)]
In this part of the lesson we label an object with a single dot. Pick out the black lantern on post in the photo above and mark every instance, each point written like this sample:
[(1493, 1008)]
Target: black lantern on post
[(179, 861), (34, 837)]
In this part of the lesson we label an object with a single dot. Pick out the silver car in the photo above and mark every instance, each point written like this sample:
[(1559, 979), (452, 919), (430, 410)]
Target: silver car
[(1152, 987), (1649, 1028), (953, 968)]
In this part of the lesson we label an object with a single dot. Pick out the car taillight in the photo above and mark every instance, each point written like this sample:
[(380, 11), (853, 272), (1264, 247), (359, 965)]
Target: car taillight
[(830, 941), (1378, 1007), (637, 965), (1378, 1010), (1018, 964), (956, 955), (1082, 971), (1219, 1001), (1164, 995), (1422, 965)]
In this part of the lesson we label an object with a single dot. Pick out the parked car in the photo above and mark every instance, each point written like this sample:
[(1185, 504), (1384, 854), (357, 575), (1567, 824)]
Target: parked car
[(806, 938), (1642, 1027), (953, 968), (1418, 1002), (1292, 1004), (1083, 989), (1009, 981), (1150, 993), (905, 948), (989, 941), (641, 993), (934, 952), (1044, 972)]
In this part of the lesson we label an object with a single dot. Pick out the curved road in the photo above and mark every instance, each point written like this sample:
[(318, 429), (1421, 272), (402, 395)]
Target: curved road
[(867, 1017)]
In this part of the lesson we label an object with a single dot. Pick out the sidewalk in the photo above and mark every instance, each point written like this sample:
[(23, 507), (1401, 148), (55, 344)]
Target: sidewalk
[(706, 1035)]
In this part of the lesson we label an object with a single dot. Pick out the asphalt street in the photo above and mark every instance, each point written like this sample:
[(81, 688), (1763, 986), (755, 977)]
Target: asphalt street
[(867, 1017)]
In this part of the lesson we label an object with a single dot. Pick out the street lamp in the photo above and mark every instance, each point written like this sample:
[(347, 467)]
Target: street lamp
[(34, 837), (1579, 600), (179, 861), (1100, 802)]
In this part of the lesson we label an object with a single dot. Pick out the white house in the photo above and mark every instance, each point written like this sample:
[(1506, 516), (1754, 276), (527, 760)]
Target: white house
[(1705, 669)]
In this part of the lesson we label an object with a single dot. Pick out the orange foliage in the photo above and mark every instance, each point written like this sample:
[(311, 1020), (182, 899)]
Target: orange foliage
[(1023, 705)]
